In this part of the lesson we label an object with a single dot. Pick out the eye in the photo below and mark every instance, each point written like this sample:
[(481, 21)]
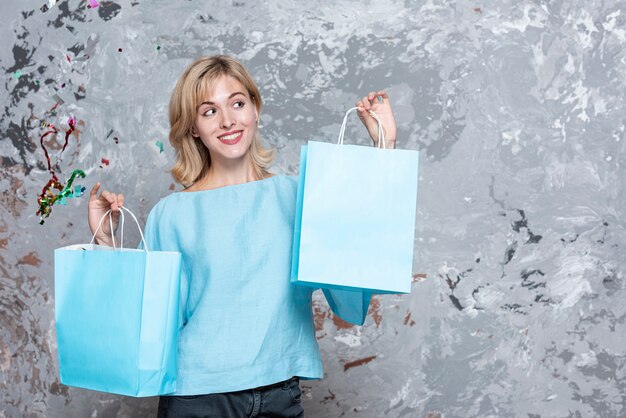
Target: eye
[(239, 104), (209, 112)]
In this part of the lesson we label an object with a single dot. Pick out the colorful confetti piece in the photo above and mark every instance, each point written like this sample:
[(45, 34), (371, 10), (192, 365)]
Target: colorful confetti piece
[(159, 145), (17, 74), (93, 4), (79, 190), (105, 161), (47, 199), (58, 99)]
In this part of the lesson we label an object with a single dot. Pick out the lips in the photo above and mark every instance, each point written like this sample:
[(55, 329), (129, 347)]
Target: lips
[(231, 138)]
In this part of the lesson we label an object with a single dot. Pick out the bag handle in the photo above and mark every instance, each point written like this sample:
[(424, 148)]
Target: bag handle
[(381, 132), (109, 212)]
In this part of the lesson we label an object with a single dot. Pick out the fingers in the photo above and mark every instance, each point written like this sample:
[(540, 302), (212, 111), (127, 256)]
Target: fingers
[(111, 198), (94, 191), (361, 109), (366, 103), (115, 200), (382, 97)]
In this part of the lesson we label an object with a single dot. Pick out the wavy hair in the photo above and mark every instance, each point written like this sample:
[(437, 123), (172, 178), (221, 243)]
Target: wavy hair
[(192, 156)]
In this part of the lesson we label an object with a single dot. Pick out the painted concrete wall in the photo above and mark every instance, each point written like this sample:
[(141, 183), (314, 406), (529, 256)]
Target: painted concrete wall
[(517, 108)]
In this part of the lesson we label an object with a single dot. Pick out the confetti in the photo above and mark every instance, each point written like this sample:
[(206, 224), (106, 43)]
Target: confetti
[(67, 191), (47, 198), (119, 49), (53, 130), (158, 47), (72, 123), (17, 74), (159, 145), (93, 4), (79, 190), (58, 101), (68, 58), (105, 161)]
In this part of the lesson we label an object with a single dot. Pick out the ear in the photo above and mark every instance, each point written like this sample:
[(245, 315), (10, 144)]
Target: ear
[(256, 115), (194, 132)]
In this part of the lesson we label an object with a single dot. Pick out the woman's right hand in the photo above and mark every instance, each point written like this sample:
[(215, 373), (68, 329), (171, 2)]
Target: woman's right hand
[(98, 206)]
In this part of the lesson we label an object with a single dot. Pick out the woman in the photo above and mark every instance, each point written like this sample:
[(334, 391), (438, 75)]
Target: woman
[(246, 334)]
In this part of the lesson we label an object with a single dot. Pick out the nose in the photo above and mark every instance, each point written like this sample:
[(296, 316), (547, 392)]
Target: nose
[(227, 120)]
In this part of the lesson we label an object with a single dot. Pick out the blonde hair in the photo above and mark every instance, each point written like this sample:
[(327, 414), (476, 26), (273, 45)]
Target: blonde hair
[(192, 156)]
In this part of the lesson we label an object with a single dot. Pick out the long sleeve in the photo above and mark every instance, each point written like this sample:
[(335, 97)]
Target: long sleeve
[(349, 305)]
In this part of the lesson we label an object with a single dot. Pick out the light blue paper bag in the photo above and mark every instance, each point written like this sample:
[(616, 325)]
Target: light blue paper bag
[(355, 217), (116, 314)]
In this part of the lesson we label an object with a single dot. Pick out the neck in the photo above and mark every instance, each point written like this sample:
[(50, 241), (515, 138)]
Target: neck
[(227, 173)]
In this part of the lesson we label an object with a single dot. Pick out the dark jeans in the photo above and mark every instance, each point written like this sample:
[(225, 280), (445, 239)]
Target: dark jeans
[(281, 400)]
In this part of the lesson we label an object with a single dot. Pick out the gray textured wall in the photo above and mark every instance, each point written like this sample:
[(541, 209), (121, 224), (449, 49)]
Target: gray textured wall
[(517, 108)]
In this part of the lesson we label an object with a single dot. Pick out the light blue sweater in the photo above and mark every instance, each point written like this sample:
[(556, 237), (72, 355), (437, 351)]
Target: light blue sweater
[(242, 323)]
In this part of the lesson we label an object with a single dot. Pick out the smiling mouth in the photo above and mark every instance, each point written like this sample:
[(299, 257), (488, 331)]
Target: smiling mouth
[(231, 138)]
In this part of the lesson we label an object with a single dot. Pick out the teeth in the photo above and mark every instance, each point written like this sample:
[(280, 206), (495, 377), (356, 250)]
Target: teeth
[(230, 137)]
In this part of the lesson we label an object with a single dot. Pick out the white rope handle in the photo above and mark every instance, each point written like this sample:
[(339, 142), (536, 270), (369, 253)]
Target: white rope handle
[(145, 246), (108, 212), (382, 143), (122, 209)]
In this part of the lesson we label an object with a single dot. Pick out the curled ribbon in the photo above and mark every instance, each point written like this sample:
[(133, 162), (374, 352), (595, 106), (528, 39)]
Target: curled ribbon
[(47, 198)]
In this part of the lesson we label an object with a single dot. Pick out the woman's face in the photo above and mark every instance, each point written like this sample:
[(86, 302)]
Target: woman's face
[(226, 121)]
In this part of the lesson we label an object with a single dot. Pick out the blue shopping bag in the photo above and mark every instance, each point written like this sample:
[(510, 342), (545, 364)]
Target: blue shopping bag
[(116, 312), (355, 216)]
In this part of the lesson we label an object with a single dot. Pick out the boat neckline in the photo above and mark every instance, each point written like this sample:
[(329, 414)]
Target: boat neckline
[(228, 187)]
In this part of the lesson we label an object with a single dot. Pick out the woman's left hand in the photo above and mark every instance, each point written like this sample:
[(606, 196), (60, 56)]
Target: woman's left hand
[(384, 113)]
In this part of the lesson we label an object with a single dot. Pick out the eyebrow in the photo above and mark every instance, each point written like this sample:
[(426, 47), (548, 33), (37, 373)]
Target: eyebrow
[(229, 97)]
